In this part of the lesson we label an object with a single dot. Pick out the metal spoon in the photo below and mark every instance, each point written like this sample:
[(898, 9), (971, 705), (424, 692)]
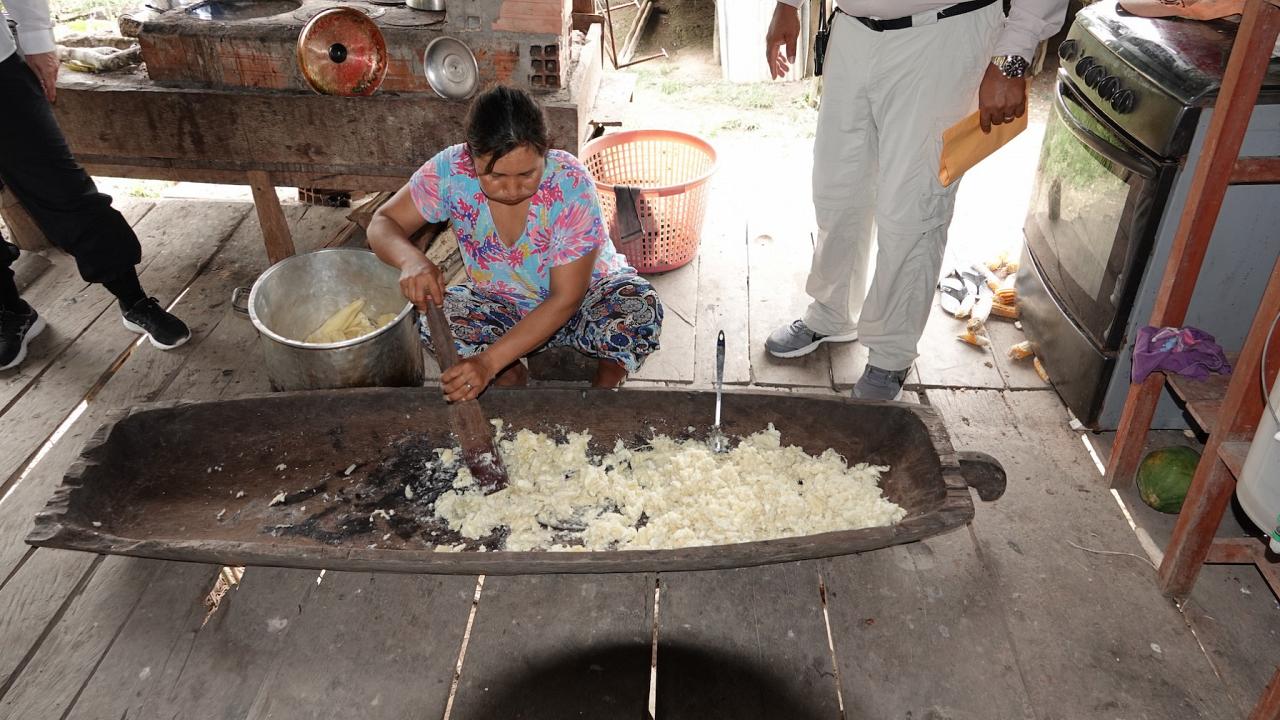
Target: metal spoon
[(719, 443)]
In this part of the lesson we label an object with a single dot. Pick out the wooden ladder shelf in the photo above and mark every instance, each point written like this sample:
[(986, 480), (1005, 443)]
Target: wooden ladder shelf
[(1227, 409)]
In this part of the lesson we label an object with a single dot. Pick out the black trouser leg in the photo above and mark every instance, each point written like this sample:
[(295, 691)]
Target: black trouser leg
[(36, 164), (9, 299)]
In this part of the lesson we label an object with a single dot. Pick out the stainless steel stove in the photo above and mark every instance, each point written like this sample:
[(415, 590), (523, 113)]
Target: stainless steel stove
[(1132, 104)]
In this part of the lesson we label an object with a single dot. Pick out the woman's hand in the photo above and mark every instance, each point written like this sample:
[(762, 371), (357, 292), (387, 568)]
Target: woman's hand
[(420, 281), (467, 379)]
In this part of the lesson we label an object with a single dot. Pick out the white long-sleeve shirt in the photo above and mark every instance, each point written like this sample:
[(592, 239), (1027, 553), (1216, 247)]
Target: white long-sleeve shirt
[(1029, 21), (35, 27)]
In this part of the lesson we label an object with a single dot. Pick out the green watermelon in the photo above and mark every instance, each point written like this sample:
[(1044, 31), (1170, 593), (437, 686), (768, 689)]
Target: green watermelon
[(1165, 475)]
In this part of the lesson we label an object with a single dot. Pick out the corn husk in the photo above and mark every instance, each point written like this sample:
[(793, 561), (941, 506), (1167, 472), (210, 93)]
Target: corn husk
[(349, 323), (974, 339), (1021, 351), (1044, 374), (1009, 312)]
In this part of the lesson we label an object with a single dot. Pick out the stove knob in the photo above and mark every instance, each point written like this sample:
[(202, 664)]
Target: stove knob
[(1094, 75), (1069, 50), (1109, 86), (1085, 63), (1123, 101)]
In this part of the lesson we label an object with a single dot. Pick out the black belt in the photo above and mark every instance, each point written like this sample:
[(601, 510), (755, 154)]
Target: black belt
[(903, 23)]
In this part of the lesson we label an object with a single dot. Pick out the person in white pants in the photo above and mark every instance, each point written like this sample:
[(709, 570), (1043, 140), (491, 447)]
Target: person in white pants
[(897, 73)]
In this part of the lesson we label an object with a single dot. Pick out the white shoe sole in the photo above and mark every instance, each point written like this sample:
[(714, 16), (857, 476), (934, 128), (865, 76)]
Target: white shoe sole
[(805, 350), (36, 328), (135, 328)]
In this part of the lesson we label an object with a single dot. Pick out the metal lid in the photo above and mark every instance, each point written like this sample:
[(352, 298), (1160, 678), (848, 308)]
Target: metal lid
[(341, 52), (451, 68)]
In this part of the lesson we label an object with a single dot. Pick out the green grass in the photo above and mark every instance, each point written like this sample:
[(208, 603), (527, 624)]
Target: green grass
[(109, 9)]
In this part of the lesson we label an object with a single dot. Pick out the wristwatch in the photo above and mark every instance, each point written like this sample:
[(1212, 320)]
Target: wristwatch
[(1011, 66)]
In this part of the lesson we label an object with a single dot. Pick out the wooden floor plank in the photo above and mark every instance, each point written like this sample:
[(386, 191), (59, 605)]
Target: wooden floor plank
[(66, 302), (1017, 374), (1231, 607), (723, 298), (68, 306), (222, 358), (232, 656), (743, 644), (396, 662), (179, 241), (559, 646), (848, 360), (150, 648), (28, 269), (906, 616), (1093, 634), (947, 362), (148, 374), (187, 237), (674, 361), (778, 267), (65, 660), (37, 585), (30, 601)]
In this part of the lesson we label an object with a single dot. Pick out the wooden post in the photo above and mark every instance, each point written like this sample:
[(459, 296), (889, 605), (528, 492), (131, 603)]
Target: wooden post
[(1268, 707), (1131, 435), (1231, 115), (1201, 514), (24, 231), (275, 228)]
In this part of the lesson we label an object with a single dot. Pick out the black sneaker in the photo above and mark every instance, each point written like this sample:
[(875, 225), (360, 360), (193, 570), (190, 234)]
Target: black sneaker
[(165, 331), (17, 328)]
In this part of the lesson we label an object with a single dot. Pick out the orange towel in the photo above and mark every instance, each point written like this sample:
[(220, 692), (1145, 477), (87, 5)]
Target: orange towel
[(965, 145)]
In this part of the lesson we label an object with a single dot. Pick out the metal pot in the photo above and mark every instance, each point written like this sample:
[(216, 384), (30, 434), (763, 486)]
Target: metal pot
[(431, 5), (296, 295)]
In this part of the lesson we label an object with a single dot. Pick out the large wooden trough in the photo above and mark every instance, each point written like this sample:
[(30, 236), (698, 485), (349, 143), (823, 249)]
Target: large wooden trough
[(195, 481)]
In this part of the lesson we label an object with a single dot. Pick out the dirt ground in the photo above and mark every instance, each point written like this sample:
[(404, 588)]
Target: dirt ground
[(774, 123)]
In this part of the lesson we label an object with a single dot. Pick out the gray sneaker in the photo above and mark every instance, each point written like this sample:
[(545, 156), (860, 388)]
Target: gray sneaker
[(797, 339), (879, 384)]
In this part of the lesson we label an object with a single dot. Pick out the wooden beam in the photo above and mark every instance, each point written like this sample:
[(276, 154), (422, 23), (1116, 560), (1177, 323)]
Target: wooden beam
[(587, 75), (1268, 707), (1131, 435), (275, 228), (142, 168), (1234, 551), (1256, 170), (1201, 514), (276, 131), (23, 230)]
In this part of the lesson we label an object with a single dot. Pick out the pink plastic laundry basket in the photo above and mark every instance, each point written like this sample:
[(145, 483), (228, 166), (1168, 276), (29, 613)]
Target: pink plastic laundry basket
[(671, 169)]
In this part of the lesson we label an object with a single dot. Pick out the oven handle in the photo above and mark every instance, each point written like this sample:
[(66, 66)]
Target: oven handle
[(1097, 143)]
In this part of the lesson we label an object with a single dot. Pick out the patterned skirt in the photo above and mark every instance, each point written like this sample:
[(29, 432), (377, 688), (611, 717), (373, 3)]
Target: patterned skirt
[(620, 319)]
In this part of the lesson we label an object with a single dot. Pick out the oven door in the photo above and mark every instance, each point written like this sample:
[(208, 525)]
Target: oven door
[(1093, 216)]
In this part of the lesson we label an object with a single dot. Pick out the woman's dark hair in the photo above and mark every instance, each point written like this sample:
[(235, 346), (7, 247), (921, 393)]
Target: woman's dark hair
[(503, 119)]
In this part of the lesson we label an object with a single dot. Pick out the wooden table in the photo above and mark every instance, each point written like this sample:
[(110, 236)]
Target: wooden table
[(125, 125)]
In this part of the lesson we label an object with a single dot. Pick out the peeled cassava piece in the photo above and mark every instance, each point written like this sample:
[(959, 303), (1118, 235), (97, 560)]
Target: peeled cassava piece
[(349, 323)]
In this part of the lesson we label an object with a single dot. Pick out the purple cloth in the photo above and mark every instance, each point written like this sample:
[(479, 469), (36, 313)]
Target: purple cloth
[(1186, 351)]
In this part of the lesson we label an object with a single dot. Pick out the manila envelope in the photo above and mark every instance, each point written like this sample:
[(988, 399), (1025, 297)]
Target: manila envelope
[(965, 145)]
